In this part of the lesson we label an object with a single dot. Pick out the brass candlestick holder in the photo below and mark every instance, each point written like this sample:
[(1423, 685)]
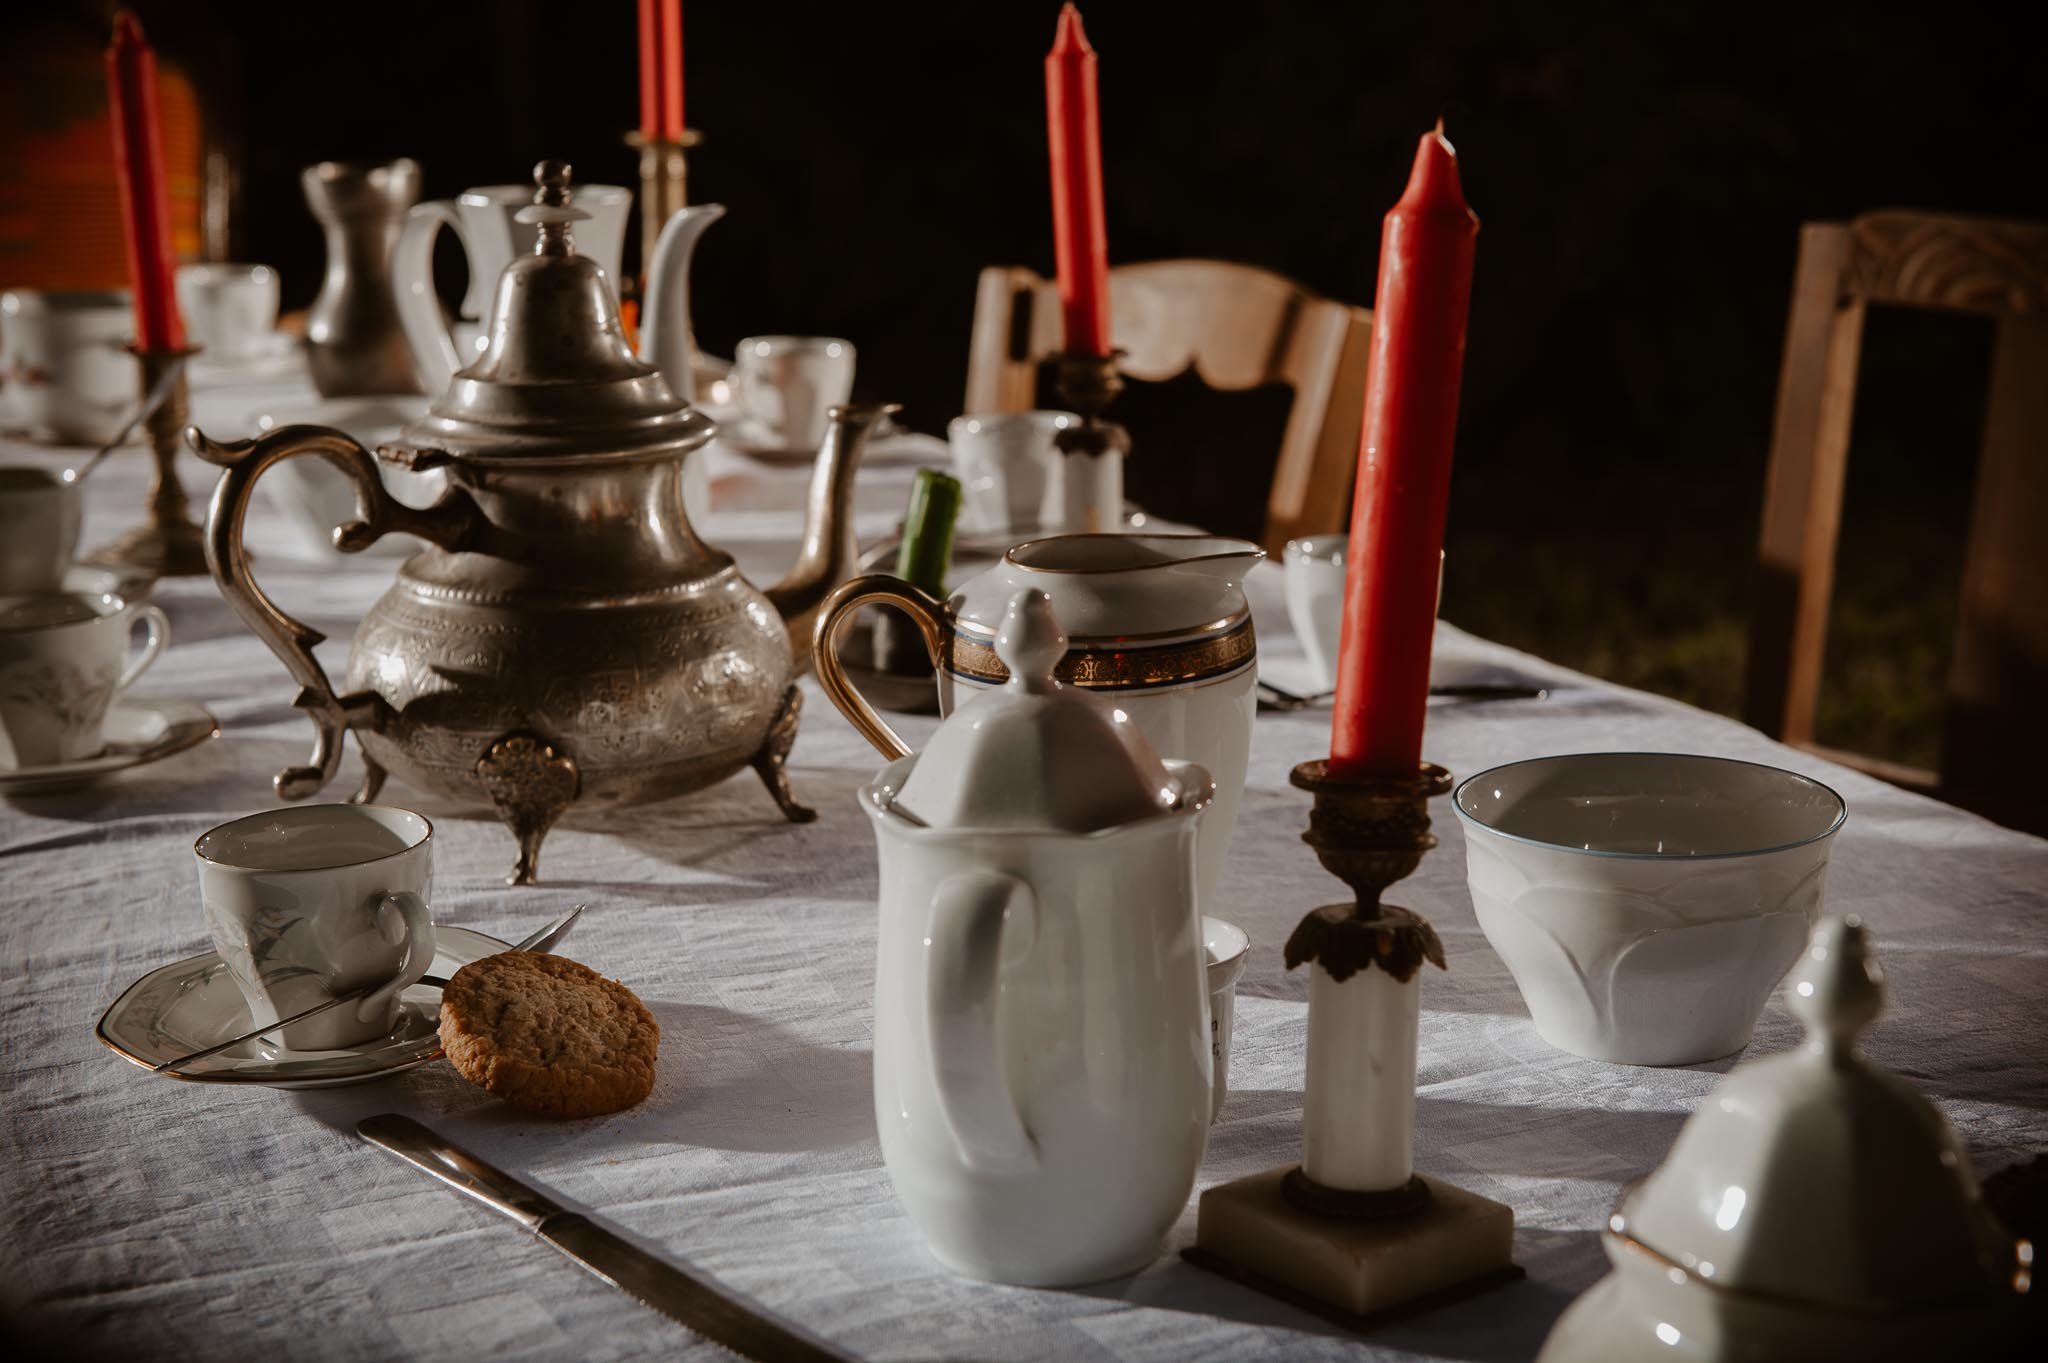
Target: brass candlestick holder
[(170, 543), (1088, 384), (1352, 1232), (664, 185)]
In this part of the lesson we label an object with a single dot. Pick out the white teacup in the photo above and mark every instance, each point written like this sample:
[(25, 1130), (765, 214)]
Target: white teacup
[(230, 310), (318, 900), (787, 386), (1225, 947), (65, 371), (1010, 473), (40, 511), (60, 664), (1315, 600)]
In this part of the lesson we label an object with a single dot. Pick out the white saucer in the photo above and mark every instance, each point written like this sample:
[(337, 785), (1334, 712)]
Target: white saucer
[(887, 444), (192, 1004), (276, 355), (91, 579), (138, 732)]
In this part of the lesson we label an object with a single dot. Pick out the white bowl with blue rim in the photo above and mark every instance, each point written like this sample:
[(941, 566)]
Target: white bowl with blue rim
[(1646, 903)]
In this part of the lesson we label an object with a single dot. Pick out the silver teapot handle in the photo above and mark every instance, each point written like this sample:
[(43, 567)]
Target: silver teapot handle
[(922, 607), (449, 522)]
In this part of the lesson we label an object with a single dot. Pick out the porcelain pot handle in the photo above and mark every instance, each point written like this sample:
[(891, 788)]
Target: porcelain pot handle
[(922, 607), (434, 353), (974, 916), (450, 522)]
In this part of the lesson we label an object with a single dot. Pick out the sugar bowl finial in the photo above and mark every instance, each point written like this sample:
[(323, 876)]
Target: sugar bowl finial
[(552, 209), (1031, 643), (1837, 987)]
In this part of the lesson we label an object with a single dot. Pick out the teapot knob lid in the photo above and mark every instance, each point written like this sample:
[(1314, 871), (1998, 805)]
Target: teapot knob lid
[(551, 209), (1031, 642), (1837, 987)]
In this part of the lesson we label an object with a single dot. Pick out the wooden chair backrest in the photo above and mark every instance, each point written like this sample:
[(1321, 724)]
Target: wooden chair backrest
[(1999, 665), (1237, 327)]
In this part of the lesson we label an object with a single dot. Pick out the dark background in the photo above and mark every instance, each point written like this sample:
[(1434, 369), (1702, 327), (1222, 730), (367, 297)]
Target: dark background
[(1641, 171)]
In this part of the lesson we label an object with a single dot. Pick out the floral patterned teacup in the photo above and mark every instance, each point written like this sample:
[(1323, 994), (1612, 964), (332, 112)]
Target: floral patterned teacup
[(307, 903), (61, 663)]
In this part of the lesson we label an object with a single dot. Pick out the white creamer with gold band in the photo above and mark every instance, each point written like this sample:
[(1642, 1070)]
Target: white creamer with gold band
[(1157, 624)]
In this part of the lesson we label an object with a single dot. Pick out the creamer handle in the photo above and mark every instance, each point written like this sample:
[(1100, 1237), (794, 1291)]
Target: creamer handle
[(848, 597), (974, 913), (450, 522)]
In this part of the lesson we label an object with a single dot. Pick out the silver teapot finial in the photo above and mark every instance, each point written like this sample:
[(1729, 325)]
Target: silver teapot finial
[(552, 209)]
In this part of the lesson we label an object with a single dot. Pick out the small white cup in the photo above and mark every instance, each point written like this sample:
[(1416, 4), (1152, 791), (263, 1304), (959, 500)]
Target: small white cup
[(1225, 948), (61, 663), (230, 310), (785, 387), (40, 511), (1010, 472), (317, 900), (1315, 600), (65, 371)]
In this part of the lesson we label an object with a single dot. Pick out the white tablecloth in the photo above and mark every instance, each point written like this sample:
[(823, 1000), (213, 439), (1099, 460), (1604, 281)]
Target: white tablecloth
[(143, 1217)]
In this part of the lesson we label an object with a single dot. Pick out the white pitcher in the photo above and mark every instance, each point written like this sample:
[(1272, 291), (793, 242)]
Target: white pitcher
[(1042, 1067), (490, 224)]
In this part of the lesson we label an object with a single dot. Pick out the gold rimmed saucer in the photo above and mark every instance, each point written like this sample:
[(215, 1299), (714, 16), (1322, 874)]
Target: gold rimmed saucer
[(137, 731)]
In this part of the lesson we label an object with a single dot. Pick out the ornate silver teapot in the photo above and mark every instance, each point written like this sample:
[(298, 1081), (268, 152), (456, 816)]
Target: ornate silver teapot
[(564, 635)]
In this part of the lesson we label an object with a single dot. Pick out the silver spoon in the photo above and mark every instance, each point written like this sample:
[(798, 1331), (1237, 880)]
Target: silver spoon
[(544, 940), (151, 400)]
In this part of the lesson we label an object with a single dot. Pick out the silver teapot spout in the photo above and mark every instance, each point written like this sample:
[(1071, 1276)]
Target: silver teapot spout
[(829, 550)]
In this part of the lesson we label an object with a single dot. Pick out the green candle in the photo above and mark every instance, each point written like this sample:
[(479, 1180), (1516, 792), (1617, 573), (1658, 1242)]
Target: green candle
[(927, 548)]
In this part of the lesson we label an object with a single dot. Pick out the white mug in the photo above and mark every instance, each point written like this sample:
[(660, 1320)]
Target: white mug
[(65, 371), (40, 511), (318, 900), (230, 310), (486, 219), (60, 664), (1315, 600), (1011, 475), (787, 386)]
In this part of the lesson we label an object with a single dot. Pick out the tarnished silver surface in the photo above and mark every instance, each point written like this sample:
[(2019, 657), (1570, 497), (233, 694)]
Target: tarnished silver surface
[(565, 636)]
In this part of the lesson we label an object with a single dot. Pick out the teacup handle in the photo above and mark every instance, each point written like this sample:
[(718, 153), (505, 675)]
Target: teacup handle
[(453, 522), (419, 308), (972, 915), (848, 597), (402, 917), (159, 635)]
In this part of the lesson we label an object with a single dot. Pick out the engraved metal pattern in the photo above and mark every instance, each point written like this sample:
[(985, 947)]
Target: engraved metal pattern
[(1974, 264), (531, 782)]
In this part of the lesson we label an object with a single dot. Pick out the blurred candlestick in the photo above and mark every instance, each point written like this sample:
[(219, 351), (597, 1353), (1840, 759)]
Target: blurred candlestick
[(1080, 241), (1404, 471), (145, 205), (661, 70), (927, 548)]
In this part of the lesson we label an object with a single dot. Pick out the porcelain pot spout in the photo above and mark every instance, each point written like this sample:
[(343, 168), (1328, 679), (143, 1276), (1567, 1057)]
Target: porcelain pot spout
[(665, 339)]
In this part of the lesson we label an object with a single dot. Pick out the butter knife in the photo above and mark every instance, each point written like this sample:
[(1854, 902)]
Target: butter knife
[(683, 1298)]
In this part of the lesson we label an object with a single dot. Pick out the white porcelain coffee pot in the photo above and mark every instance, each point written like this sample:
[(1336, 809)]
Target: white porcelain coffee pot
[(1042, 1067), (487, 221)]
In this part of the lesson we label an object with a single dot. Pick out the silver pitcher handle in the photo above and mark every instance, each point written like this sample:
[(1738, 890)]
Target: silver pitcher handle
[(450, 522)]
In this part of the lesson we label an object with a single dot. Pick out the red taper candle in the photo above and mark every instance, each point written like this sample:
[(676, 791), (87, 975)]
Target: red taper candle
[(661, 70), (1080, 242), (145, 203), (1404, 470)]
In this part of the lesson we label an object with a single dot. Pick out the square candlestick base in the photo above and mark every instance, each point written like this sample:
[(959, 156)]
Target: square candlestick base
[(1358, 1273)]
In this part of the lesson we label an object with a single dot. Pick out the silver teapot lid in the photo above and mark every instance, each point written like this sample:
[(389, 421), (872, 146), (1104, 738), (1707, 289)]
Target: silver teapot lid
[(557, 381)]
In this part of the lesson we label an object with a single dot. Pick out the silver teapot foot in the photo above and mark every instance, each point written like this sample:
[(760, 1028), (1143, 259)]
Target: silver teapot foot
[(770, 762), (531, 782)]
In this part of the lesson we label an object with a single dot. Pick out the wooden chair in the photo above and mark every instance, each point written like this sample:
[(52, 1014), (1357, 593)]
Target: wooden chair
[(1238, 327), (1993, 729)]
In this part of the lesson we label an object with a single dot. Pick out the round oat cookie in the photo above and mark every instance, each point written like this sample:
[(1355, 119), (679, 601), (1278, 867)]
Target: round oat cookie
[(547, 1034)]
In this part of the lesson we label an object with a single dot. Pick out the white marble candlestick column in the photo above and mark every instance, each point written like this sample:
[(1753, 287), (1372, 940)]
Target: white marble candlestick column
[(1358, 1109)]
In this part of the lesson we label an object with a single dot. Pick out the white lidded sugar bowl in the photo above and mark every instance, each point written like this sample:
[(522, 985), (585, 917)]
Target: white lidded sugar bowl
[(1815, 1207), (1042, 1060)]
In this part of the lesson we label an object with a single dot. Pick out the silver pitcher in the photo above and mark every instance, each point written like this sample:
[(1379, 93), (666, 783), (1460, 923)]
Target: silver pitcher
[(565, 635), (354, 345)]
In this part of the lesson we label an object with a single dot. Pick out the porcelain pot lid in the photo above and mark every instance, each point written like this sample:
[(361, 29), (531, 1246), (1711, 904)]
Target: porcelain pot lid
[(1817, 1177), (557, 380), (1033, 754)]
